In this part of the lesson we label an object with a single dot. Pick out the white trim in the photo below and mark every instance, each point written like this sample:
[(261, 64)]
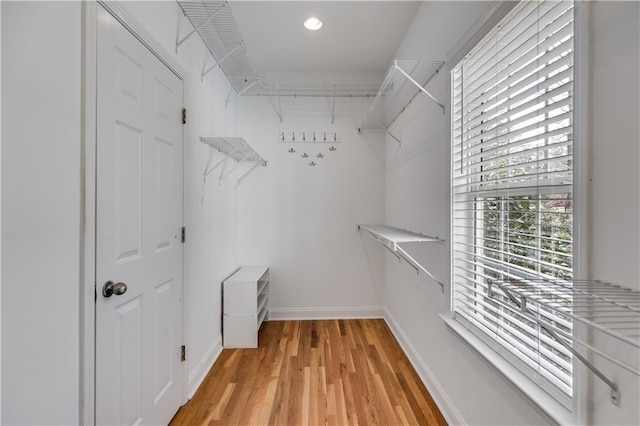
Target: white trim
[(87, 271), (202, 368), (139, 32), (581, 155), (530, 391), (435, 389), (490, 18), (291, 314)]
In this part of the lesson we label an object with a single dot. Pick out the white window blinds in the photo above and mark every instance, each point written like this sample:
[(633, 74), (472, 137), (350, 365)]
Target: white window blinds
[(512, 106)]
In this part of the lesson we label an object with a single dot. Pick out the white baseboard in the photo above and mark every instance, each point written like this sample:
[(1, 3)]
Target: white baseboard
[(291, 314), (440, 397), (200, 370)]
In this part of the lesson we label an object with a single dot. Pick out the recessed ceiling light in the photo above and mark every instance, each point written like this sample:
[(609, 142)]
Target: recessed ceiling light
[(313, 24)]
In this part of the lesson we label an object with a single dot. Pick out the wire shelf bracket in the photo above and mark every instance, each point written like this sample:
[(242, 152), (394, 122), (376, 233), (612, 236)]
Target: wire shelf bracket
[(399, 88), (237, 149), (602, 307), (213, 21), (391, 238)]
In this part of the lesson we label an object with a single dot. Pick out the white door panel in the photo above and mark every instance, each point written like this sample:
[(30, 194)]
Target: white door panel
[(138, 230)]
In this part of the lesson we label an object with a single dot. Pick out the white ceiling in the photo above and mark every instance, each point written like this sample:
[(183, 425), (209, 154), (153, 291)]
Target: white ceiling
[(357, 36)]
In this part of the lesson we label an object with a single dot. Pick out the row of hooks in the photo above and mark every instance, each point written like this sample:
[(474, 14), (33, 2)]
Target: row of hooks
[(309, 137)]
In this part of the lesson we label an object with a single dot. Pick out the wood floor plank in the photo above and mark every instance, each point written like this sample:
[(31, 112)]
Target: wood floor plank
[(334, 372)]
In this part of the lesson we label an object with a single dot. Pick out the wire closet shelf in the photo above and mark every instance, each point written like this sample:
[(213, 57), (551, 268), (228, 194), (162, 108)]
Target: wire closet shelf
[(391, 238), (237, 149), (608, 316), (405, 80), (213, 21)]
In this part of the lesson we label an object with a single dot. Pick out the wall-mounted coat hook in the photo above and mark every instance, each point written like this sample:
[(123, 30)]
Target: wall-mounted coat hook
[(320, 155), (291, 150), (308, 136), (305, 155), (313, 163), (332, 148)]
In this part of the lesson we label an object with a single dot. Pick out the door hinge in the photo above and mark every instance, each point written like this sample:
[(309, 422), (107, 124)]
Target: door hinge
[(183, 353), (184, 116), (184, 234)]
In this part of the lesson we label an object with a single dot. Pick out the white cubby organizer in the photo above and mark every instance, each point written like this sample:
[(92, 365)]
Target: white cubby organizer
[(245, 306)]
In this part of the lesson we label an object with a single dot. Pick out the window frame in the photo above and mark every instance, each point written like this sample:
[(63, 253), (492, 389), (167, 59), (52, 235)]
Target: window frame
[(547, 405)]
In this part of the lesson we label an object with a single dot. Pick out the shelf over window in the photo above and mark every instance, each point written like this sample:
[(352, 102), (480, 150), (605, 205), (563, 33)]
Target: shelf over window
[(391, 237), (404, 81), (609, 314), (237, 149)]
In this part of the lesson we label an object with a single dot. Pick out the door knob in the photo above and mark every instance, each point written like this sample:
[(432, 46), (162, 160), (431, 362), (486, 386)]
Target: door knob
[(110, 288)]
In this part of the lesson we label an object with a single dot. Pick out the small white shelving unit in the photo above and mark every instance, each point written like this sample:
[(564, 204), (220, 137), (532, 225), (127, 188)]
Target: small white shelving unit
[(238, 150), (245, 306), (404, 81), (391, 238), (608, 314)]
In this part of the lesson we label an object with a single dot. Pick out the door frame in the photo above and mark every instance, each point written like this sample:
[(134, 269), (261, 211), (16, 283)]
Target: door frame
[(87, 273)]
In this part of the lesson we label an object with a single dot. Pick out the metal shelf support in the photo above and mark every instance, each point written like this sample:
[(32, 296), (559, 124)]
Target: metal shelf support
[(222, 176), (251, 170), (237, 149), (420, 87), (196, 29), (214, 22), (391, 238), (206, 70), (209, 171), (333, 107), (279, 103), (575, 299), (399, 88)]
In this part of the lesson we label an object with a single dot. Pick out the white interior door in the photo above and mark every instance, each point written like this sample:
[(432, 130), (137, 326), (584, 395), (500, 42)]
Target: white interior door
[(138, 231)]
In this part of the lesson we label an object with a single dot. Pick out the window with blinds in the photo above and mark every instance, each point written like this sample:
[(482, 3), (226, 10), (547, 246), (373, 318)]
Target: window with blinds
[(512, 111)]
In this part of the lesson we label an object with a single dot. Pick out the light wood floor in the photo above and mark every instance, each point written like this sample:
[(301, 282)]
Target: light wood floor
[(313, 373)]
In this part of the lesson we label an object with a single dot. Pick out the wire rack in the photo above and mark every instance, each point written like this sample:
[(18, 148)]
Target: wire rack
[(237, 149), (216, 26), (315, 90), (213, 21), (403, 82), (610, 313), (391, 238)]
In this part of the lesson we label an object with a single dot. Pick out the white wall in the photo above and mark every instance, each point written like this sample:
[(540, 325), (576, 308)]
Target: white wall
[(41, 206), (417, 182), (417, 197), (40, 212), (614, 213), (300, 219), (0, 217)]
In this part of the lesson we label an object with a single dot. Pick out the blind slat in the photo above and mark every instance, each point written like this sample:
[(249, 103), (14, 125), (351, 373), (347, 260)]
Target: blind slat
[(512, 179)]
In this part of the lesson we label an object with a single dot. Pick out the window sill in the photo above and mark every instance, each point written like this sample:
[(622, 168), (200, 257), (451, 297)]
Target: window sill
[(547, 405)]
